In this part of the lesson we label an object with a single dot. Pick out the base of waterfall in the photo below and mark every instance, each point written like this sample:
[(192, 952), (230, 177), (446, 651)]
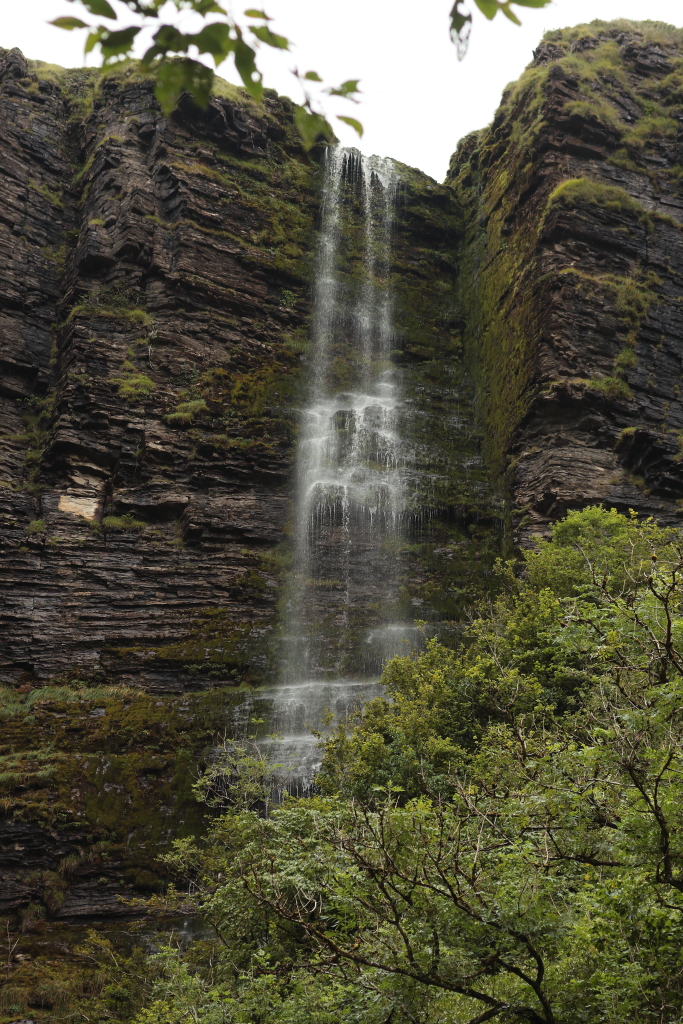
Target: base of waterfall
[(287, 724)]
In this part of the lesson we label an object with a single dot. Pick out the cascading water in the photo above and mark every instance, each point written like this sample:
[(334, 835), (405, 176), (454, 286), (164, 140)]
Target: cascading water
[(350, 491), (340, 611)]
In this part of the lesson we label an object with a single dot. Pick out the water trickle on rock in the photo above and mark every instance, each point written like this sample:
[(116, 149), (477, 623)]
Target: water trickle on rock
[(339, 620), (350, 490)]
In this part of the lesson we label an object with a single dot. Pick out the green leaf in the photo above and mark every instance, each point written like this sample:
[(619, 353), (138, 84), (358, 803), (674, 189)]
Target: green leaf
[(489, 8), (263, 33), (311, 127), (179, 76), (458, 19), (216, 40), (253, 13), (151, 54), (169, 39), (356, 125), (510, 14), (116, 44), (461, 25), (245, 62), (203, 7), (346, 88), (312, 76), (69, 23), (93, 39), (101, 8), (532, 3)]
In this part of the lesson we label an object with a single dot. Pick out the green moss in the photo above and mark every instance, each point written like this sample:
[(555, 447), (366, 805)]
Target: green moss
[(626, 360), (236, 94), (37, 526), (621, 159), (127, 522), (135, 386), (586, 192), (648, 129), (645, 31), (44, 191), (216, 641), (57, 255), (612, 387), (113, 304), (502, 297), (186, 412), (499, 294), (37, 417), (80, 175), (627, 432), (111, 766), (595, 109)]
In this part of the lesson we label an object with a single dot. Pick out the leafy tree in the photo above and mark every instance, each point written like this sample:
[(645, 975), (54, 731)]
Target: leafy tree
[(176, 72), (461, 18), (501, 839)]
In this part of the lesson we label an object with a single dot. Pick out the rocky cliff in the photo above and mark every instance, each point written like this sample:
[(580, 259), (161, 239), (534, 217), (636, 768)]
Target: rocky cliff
[(154, 321), (154, 308), (154, 288), (570, 288)]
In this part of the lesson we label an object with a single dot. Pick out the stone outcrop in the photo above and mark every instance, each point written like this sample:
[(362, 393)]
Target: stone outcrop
[(571, 283)]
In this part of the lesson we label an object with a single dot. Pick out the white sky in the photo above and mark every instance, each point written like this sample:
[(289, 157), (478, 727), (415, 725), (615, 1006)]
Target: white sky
[(418, 100)]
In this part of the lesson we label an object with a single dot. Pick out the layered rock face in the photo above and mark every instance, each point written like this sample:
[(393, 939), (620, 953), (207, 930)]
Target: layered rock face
[(155, 328), (154, 339), (154, 346), (153, 298), (154, 284), (571, 275)]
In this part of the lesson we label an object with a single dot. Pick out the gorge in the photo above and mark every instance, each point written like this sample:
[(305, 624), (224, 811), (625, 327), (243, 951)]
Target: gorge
[(262, 411)]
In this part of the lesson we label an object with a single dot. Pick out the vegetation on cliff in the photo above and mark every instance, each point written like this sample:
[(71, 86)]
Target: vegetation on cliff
[(498, 840), (596, 98)]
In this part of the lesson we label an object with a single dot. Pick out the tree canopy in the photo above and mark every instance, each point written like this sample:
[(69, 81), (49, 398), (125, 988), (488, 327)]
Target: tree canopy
[(499, 837)]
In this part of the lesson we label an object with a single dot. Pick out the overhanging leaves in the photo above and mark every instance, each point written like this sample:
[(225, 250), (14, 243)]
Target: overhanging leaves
[(312, 127), (100, 8), (263, 33), (461, 17), (68, 23), (356, 125), (179, 76)]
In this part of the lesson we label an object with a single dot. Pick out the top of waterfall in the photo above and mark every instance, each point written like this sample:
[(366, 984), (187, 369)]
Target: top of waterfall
[(383, 167)]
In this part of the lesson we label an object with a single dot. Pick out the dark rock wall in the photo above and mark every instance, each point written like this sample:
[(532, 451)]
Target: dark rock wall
[(154, 310), (571, 275), (152, 302), (155, 281)]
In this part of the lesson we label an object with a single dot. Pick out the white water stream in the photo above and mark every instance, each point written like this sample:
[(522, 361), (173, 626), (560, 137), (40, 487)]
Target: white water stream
[(338, 626)]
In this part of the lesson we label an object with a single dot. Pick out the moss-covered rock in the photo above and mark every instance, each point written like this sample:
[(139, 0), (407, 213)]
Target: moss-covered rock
[(568, 269)]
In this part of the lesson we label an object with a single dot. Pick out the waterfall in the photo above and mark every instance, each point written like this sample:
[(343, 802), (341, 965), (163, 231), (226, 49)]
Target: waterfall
[(339, 620)]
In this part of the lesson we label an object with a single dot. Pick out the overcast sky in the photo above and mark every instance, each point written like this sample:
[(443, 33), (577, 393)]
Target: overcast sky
[(418, 99)]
